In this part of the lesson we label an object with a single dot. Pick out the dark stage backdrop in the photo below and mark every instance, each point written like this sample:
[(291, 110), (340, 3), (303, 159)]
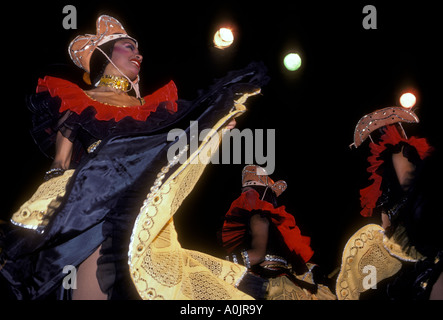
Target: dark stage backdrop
[(347, 71)]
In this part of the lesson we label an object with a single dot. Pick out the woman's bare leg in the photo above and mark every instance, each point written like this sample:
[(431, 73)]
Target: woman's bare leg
[(437, 289), (87, 283)]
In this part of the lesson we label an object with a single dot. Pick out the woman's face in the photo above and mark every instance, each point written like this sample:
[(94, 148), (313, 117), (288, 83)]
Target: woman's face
[(126, 57)]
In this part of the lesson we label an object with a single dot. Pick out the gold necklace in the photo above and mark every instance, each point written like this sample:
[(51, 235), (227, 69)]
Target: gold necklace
[(116, 82)]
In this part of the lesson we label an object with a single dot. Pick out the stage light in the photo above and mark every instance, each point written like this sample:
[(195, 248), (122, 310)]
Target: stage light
[(223, 38), (408, 100), (292, 61)]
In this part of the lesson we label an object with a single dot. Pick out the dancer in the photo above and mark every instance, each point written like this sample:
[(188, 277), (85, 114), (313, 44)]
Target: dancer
[(265, 238), (110, 169), (404, 254)]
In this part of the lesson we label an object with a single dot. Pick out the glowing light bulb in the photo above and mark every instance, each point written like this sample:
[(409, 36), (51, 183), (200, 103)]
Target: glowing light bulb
[(292, 61), (223, 38), (408, 100)]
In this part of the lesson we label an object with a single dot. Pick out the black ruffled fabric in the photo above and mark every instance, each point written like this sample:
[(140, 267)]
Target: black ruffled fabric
[(108, 187), (84, 129)]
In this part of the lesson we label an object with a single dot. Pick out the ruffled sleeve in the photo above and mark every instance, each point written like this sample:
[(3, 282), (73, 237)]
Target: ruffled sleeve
[(235, 226), (47, 121), (76, 100), (60, 105)]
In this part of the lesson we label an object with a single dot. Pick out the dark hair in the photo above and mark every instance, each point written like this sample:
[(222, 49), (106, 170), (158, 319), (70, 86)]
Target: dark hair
[(98, 61)]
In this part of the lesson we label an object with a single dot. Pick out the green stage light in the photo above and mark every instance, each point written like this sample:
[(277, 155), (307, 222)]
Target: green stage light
[(292, 61)]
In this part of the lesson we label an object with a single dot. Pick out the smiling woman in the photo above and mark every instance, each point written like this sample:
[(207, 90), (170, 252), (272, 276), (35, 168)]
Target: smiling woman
[(125, 61), (114, 71), (109, 148)]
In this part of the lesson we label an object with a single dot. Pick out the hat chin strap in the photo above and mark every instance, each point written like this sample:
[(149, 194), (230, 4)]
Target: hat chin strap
[(134, 84), (255, 183), (264, 193)]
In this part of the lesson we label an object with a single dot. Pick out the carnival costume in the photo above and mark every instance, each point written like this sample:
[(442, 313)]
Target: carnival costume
[(124, 191), (289, 275), (407, 256)]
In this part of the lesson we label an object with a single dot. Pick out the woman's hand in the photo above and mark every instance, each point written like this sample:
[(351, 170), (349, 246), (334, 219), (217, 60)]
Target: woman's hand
[(231, 124), (62, 159)]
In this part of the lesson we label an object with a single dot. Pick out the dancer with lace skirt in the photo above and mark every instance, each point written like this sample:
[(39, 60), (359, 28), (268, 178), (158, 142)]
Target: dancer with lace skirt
[(109, 151), (405, 251), (264, 237)]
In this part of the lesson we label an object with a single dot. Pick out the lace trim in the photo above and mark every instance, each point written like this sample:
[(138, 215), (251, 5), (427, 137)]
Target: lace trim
[(35, 213)]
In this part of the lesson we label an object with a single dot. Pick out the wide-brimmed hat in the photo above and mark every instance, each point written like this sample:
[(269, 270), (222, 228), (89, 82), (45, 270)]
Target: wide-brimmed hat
[(380, 118), (81, 48), (253, 175)]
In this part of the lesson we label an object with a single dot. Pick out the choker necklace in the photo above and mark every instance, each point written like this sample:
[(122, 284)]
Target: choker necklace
[(116, 82)]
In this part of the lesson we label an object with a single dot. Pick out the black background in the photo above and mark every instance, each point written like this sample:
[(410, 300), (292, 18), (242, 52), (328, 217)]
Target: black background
[(346, 72)]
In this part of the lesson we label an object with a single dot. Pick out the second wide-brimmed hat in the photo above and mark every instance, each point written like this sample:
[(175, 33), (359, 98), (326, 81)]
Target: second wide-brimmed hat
[(253, 175)]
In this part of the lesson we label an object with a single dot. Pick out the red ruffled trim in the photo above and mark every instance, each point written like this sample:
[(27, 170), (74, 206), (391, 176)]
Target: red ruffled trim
[(369, 195), (75, 99), (234, 229)]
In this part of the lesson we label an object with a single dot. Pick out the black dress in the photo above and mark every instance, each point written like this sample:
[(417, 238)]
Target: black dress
[(108, 186)]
